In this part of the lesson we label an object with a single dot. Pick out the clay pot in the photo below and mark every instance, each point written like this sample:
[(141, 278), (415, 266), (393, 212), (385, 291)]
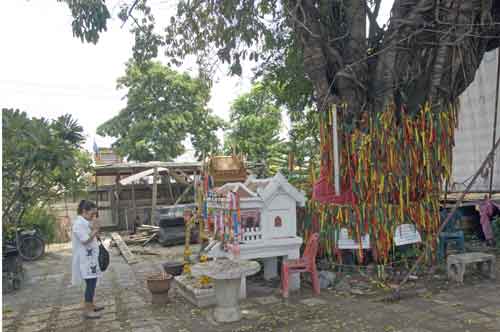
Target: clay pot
[(159, 283)]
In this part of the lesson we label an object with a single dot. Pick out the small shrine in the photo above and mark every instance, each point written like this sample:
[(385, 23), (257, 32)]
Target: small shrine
[(265, 210), (254, 219), (225, 169)]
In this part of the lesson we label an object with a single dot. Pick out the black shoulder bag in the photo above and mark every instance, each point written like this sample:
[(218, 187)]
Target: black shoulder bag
[(103, 256)]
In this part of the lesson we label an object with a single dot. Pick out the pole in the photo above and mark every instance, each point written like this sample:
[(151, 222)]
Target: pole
[(167, 177), (495, 123), (447, 181), (134, 206), (336, 163), (118, 219), (155, 192), (96, 195), (396, 294)]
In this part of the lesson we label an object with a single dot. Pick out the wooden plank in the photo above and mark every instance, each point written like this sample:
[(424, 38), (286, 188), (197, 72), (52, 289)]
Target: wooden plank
[(124, 249), (134, 205), (183, 194), (145, 252), (149, 226), (150, 239), (119, 221), (154, 221)]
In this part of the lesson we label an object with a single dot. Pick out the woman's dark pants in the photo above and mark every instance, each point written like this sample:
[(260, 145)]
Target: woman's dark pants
[(90, 289)]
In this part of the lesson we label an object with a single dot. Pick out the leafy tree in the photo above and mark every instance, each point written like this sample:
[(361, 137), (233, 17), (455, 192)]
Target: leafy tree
[(402, 62), (405, 76), (255, 124), (42, 161), (89, 18), (316, 53), (163, 108), (303, 141)]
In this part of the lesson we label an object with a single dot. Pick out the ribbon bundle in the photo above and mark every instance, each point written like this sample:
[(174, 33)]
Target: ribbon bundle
[(395, 164)]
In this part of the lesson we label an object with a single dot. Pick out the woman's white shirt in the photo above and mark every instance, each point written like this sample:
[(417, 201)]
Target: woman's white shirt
[(85, 256)]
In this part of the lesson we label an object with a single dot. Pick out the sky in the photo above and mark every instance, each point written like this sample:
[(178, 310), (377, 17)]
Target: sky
[(47, 72)]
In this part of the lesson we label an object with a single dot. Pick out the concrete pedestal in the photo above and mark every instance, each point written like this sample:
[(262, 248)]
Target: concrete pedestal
[(270, 267), (268, 251), (294, 282), (226, 294), (228, 276)]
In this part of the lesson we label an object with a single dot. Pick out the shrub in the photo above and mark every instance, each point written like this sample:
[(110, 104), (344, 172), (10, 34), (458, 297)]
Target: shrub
[(43, 220)]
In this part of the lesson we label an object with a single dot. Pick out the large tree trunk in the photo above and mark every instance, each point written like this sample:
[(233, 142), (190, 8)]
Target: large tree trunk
[(429, 52), (397, 92)]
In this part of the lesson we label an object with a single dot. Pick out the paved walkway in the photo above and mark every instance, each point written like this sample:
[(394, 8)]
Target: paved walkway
[(49, 303)]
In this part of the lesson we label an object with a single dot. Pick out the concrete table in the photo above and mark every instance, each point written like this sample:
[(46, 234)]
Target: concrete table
[(227, 275), (456, 264)]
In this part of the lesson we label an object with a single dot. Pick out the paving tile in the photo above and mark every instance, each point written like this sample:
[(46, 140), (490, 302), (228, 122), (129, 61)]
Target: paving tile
[(70, 314), (313, 301), (444, 325), (79, 328), (108, 326), (150, 328), (493, 325), (35, 319), (39, 311), (446, 310), (69, 322), (71, 307), (108, 317), (32, 327), (143, 323), (399, 308), (9, 314), (267, 300), (250, 314), (473, 318), (492, 310)]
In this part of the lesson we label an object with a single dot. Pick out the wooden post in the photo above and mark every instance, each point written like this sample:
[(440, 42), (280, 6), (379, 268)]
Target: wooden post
[(96, 196), (134, 206), (172, 198), (155, 193), (118, 199), (336, 162)]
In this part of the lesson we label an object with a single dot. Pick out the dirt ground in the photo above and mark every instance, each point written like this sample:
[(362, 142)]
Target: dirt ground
[(48, 302)]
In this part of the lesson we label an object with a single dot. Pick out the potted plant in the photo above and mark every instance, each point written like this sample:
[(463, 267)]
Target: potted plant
[(159, 285)]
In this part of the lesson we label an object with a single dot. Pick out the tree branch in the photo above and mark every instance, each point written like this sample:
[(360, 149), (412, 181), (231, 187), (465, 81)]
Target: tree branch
[(372, 17)]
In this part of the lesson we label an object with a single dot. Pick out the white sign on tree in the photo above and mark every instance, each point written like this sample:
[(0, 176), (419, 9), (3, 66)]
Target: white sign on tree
[(406, 234), (345, 242)]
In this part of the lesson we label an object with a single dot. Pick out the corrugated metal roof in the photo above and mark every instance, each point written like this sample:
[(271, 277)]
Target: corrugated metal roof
[(131, 167)]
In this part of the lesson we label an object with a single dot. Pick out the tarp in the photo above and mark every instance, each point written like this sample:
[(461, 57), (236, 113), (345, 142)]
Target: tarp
[(136, 177), (474, 136)]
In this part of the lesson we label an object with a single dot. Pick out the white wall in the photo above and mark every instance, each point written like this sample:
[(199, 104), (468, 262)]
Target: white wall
[(284, 206), (473, 138)]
